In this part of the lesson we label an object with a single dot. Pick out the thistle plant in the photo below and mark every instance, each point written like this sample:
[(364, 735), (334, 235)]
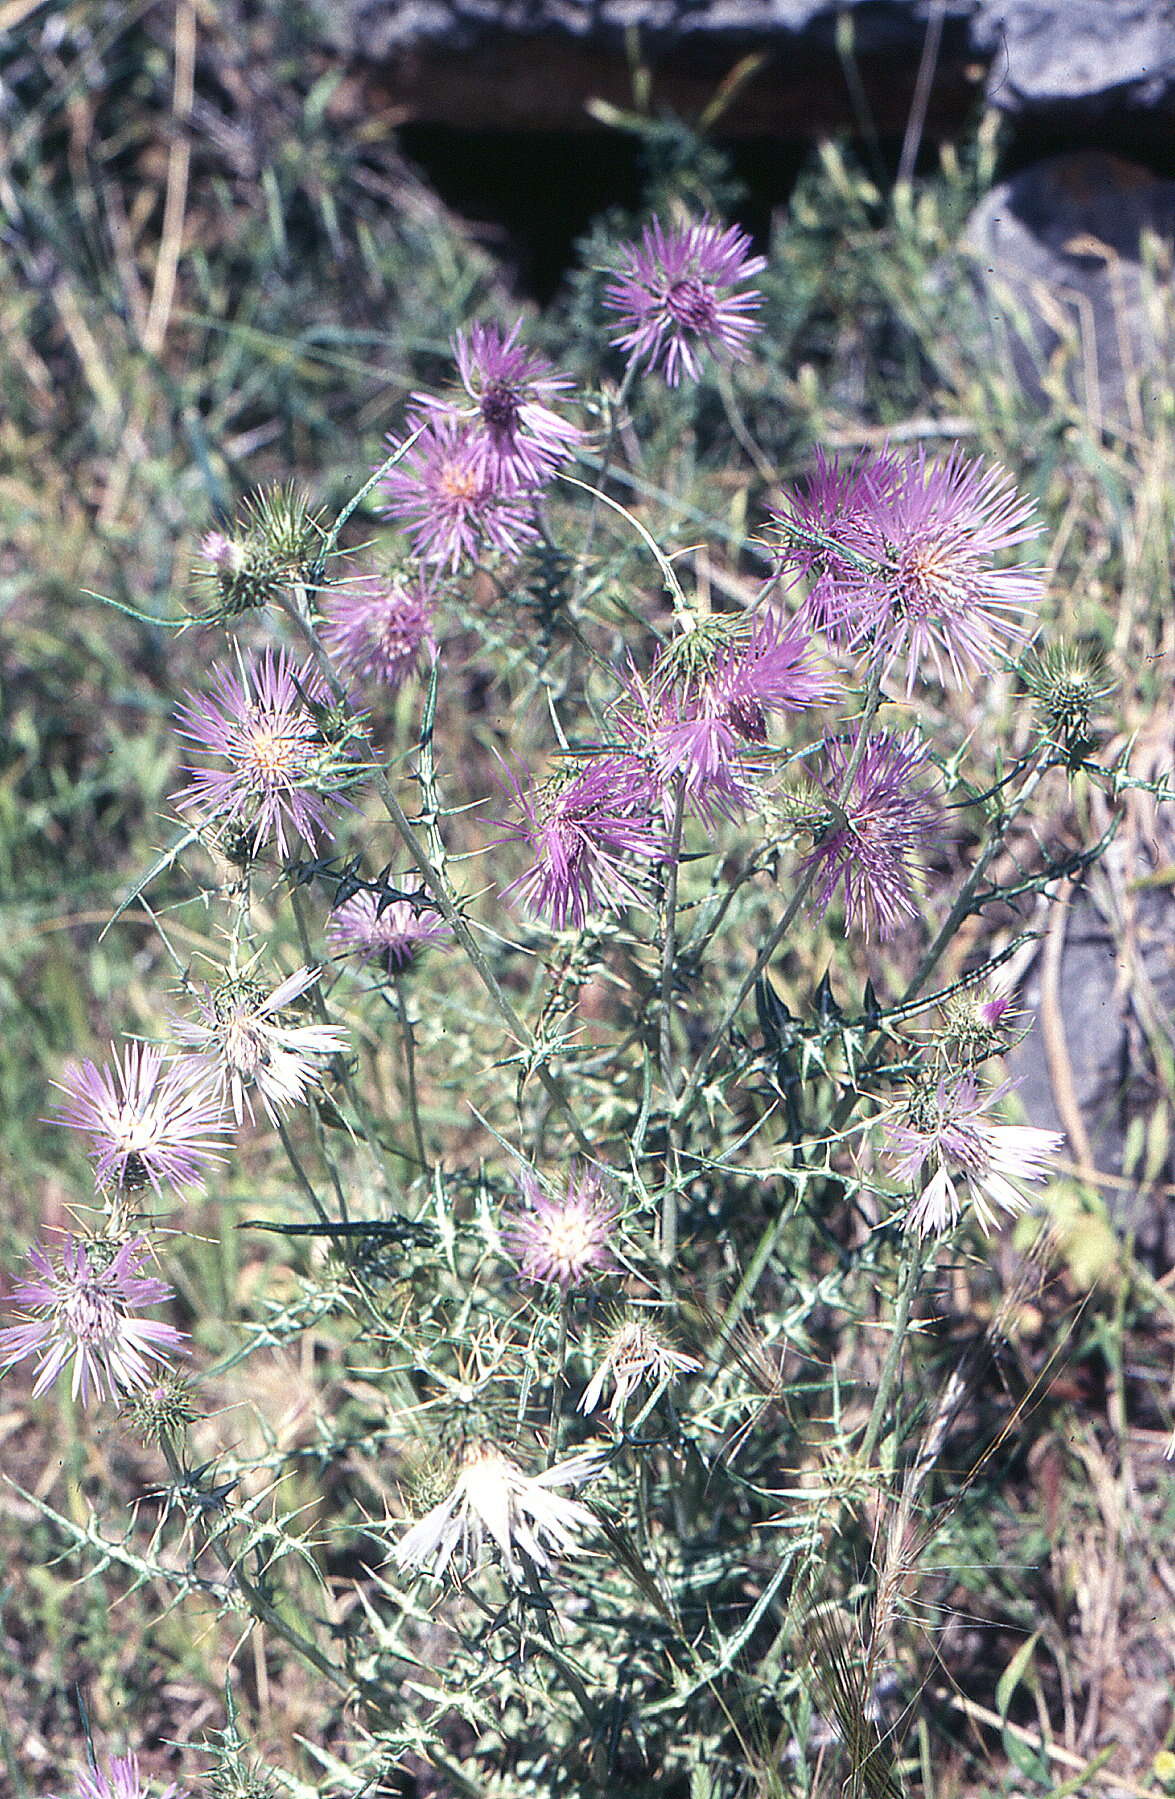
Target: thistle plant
[(620, 1042)]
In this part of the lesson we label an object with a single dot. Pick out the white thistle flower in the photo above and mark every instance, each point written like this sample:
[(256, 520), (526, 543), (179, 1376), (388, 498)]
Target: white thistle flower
[(242, 1037), (634, 1353), (945, 1136), (492, 1498)]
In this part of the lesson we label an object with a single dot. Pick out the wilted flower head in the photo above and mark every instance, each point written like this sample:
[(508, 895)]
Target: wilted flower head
[(449, 500), (393, 933), (564, 1240), (81, 1310), (378, 628), (120, 1780), (581, 823), (634, 1352), (944, 1138), (682, 294), (887, 820), (244, 1037), (493, 1499), (509, 392), (147, 1123), (258, 720), (916, 570)]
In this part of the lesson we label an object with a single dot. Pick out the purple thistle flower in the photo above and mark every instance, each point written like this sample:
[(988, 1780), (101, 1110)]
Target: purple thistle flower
[(718, 778), (681, 294), (121, 1780), (85, 1304), (920, 573), (146, 1123), (445, 496), (727, 681), (509, 389), (245, 1036), (825, 512), (258, 720), (580, 823), (393, 934), (563, 1240), (871, 850), (945, 1134), (379, 630)]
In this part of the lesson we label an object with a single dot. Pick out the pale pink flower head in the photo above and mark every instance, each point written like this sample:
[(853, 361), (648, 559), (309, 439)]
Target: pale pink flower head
[(275, 770), (379, 629), (148, 1122), (494, 1502), (945, 1139), (222, 555), (451, 503), (585, 825), (565, 1240), (120, 1780), (393, 933), (81, 1310), (246, 1037), (682, 294), (508, 404), (872, 852), (917, 570)]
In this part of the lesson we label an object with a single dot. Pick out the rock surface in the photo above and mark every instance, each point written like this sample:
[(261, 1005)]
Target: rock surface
[(521, 63), (1059, 255)]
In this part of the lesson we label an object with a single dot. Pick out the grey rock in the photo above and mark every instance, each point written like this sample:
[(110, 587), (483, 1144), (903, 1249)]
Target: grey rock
[(1058, 255), (1093, 54), (1098, 59), (1101, 1018), (380, 28)]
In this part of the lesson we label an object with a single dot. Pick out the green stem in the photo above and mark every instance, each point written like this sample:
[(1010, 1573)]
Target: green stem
[(300, 1175), (889, 1371), (668, 1076), (262, 1608), (557, 1384), (410, 1074), (803, 887), (615, 414), (966, 893)]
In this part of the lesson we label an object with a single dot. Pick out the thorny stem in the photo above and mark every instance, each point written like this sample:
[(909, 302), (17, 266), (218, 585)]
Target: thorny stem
[(800, 894), (557, 1384), (409, 1043), (439, 893), (966, 892), (911, 1269), (668, 958), (262, 1608)]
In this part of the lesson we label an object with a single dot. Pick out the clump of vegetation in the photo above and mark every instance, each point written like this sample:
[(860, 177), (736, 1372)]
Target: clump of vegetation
[(549, 1293)]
